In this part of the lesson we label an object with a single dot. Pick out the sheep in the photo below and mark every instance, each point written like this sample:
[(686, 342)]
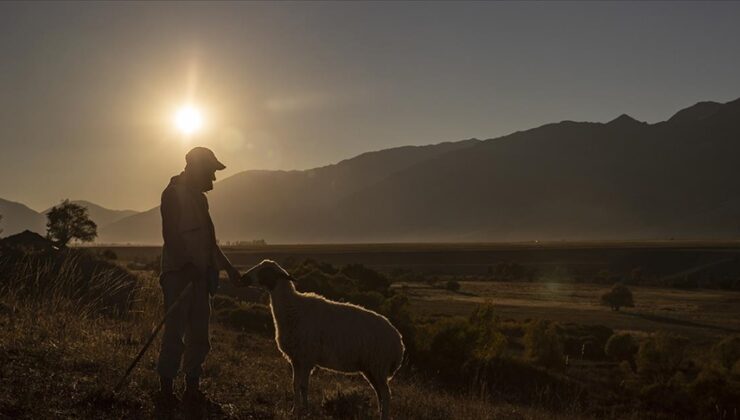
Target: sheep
[(311, 331)]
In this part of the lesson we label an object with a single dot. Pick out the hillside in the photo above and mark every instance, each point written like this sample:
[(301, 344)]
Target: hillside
[(101, 215), (285, 204), (623, 179), (18, 217)]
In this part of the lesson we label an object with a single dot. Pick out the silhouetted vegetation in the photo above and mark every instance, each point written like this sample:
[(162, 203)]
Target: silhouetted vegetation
[(41, 275), (589, 369), (543, 345), (618, 297), (69, 221), (622, 347)]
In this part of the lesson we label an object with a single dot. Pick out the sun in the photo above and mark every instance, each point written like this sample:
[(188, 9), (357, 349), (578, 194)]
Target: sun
[(188, 120)]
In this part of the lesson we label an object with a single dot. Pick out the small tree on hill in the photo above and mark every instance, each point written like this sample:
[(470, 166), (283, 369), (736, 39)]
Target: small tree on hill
[(69, 221), (1, 219), (452, 285), (619, 296)]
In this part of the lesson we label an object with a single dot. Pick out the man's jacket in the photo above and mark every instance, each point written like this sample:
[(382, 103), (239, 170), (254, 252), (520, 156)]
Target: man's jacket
[(189, 236)]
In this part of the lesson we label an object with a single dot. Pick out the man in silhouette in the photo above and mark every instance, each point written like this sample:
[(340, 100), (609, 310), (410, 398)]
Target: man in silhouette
[(190, 256)]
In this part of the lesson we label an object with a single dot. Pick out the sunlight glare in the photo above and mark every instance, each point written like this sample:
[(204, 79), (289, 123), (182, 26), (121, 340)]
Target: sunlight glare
[(188, 119)]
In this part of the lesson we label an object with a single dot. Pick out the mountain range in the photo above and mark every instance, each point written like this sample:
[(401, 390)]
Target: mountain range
[(18, 217), (620, 180)]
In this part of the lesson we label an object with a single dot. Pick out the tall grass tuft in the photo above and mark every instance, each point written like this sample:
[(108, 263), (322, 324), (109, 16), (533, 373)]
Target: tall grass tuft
[(69, 279)]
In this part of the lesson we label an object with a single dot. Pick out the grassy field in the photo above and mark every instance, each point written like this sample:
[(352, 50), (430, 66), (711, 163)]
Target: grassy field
[(659, 258), (702, 315), (61, 362), (56, 364)]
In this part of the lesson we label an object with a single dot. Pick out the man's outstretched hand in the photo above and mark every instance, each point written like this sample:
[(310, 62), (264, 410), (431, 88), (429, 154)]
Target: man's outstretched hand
[(234, 275)]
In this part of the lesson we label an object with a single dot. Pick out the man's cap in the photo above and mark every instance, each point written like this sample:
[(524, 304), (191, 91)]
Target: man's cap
[(204, 157)]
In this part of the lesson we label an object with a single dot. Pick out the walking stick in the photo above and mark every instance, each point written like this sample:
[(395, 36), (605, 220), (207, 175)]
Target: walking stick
[(151, 338)]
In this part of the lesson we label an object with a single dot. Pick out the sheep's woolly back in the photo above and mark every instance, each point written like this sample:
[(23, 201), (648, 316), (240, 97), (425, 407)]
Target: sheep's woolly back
[(335, 335)]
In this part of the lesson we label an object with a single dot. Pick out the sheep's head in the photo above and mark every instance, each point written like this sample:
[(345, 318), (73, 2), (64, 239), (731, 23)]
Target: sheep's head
[(266, 274)]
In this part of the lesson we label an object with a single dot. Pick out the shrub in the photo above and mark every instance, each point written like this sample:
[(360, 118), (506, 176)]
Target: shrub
[(543, 346), (446, 346), (452, 285), (347, 404), (727, 352), (369, 300), (396, 309), (622, 347), (619, 296), (584, 341), (109, 254), (449, 346), (660, 357), (367, 279)]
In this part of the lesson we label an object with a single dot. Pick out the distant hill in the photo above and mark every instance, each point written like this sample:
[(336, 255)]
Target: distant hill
[(101, 215), (623, 179), (272, 204), (18, 217)]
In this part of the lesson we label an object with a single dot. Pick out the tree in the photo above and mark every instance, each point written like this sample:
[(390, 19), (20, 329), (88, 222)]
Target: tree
[(1, 219), (543, 345), (619, 296), (622, 347), (69, 221), (452, 285)]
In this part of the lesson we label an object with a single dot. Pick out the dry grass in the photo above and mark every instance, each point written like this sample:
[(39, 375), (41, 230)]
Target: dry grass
[(702, 315), (62, 361)]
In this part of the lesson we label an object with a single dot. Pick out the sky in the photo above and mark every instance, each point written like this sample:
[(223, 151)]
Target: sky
[(88, 90)]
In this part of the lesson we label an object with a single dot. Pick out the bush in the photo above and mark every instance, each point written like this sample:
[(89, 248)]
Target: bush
[(622, 347), (584, 341), (660, 357), (450, 345), (619, 296), (396, 309), (543, 346), (347, 404), (452, 285), (367, 279), (369, 300), (727, 353), (446, 346), (109, 254)]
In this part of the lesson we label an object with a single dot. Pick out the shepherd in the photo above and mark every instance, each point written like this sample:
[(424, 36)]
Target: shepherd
[(191, 258)]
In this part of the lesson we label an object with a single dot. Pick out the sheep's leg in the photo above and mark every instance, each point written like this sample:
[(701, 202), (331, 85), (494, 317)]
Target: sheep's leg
[(305, 375), (382, 392), (296, 390), (300, 388)]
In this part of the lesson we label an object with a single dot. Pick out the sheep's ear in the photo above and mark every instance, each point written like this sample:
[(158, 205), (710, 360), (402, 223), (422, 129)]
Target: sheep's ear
[(269, 276)]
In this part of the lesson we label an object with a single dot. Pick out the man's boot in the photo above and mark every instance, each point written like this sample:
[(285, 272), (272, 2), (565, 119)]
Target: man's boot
[(166, 400), (195, 397)]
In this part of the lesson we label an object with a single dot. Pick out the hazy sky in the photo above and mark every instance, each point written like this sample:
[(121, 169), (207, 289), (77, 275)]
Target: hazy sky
[(87, 90)]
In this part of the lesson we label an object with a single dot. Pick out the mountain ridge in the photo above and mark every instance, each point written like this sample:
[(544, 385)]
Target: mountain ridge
[(623, 179)]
